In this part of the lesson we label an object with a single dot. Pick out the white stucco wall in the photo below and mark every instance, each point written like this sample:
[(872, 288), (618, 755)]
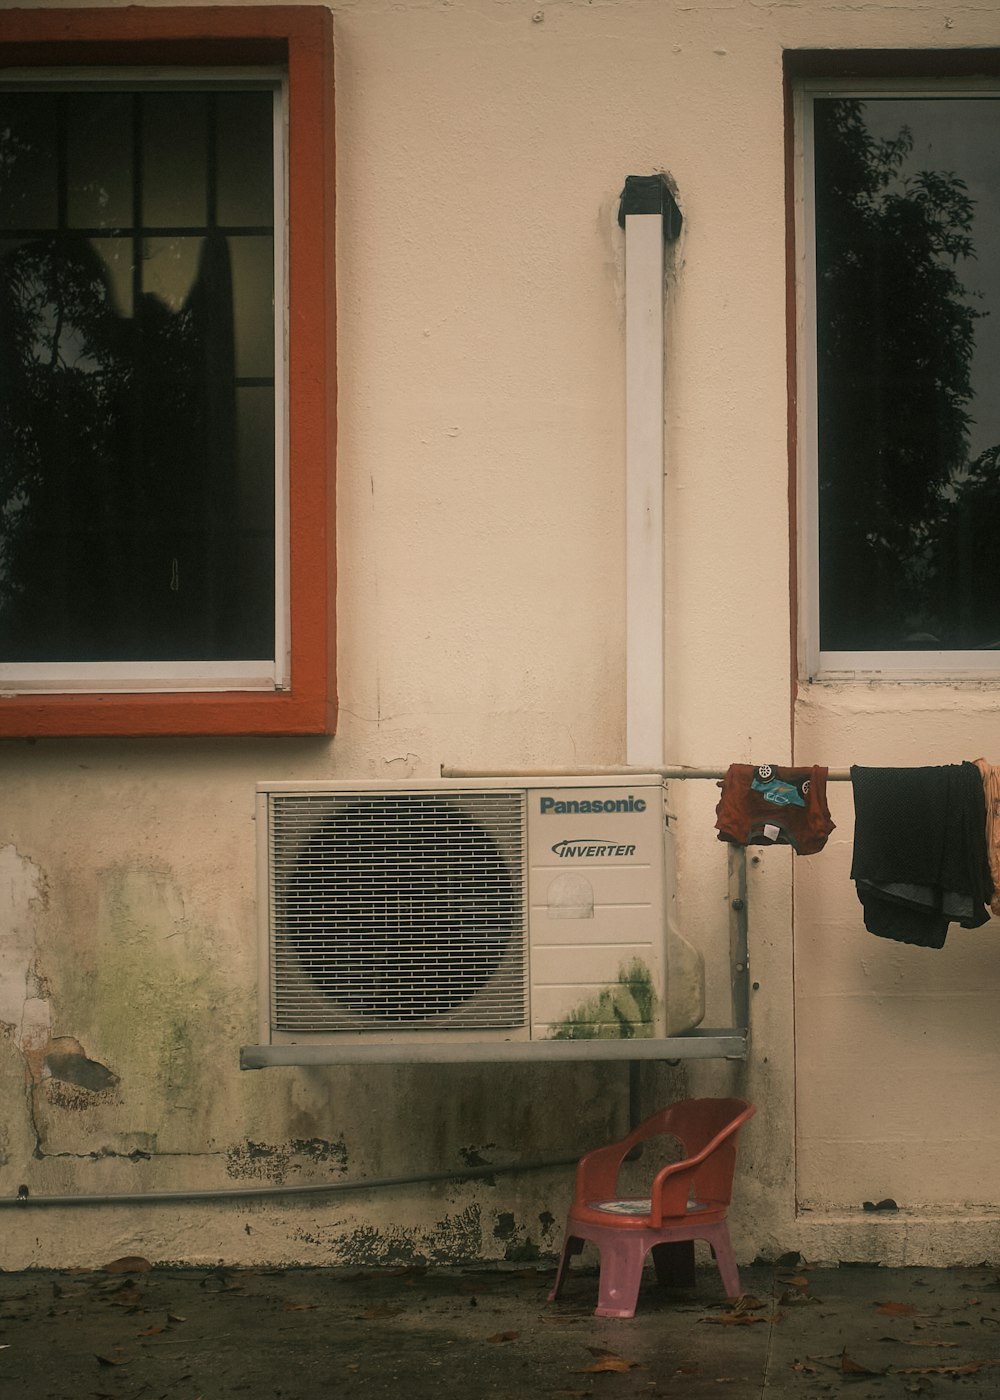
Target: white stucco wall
[(482, 149)]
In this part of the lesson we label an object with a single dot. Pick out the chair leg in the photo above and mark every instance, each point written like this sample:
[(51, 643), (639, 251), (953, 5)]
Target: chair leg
[(621, 1275), (674, 1263), (571, 1245), (718, 1238)]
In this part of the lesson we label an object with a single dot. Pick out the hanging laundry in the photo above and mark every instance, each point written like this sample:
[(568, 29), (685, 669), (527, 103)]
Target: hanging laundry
[(920, 858), (991, 794), (768, 805)]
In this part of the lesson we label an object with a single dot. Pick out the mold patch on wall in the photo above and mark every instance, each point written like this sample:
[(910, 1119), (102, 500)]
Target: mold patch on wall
[(520, 1246), (267, 1161), (455, 1239), (624, 1011), (23, 994)]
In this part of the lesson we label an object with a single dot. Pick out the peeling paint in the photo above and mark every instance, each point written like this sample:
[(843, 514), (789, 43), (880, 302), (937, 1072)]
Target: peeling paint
[(66, 1060), (74, 1097), (504, 1228), (519, 1248), (624, 1011)]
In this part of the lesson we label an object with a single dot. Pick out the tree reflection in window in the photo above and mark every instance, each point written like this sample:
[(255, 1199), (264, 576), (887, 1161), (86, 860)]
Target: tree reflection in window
[(909, 486), (132, 526)]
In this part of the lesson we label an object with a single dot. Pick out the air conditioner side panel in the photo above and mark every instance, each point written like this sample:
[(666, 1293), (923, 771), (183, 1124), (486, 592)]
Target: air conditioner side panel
[(596, 926)]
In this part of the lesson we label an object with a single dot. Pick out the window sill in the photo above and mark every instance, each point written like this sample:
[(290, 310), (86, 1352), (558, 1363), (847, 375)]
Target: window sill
[(132, 716), (877, 676)]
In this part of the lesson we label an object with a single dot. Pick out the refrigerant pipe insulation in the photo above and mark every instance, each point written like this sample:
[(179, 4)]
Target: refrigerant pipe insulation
[(142, 1198)]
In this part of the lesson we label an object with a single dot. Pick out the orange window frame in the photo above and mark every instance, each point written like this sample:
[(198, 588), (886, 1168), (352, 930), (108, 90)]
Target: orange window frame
[(300, 39)]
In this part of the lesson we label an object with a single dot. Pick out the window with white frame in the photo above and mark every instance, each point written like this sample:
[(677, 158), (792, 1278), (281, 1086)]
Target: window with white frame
[(900, 416), (141, 413)]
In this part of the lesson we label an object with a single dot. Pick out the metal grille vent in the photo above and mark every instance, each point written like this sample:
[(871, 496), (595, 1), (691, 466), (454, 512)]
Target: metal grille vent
[(393, 910)]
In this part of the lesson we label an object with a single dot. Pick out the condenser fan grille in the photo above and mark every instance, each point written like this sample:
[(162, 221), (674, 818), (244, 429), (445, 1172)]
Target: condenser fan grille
[(389, 910)]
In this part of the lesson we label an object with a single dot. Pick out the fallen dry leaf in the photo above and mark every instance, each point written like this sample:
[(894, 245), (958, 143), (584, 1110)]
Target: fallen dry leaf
[(735, 1319), (746, 1302), (796, 1281), (112, 1360), (850, 1367), (128, 1264), (607, 1363), (299, 1307), (794, 1298), (897, 1309), (918, 1341), (503, 1337), (968, 1368)]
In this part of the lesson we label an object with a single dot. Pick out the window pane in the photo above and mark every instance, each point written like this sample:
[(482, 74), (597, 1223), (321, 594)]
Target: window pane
[(245, 194), (907, 208), (99, 161), (28, 181), (174, 153), (252, 261), (136, 465)]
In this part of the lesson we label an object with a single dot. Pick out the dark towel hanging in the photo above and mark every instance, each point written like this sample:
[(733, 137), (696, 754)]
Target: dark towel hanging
[(920, 858)]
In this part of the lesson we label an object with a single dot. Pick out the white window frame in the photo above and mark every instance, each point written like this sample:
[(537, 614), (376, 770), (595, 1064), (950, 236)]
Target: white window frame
[(814, 663), (265, 675)]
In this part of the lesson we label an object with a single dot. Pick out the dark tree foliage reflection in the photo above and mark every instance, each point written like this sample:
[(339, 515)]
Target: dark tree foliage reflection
[(904, 515), (117, 463)]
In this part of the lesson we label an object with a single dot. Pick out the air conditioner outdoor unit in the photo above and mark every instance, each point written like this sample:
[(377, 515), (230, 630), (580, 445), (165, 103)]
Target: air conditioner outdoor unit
[(534, 909)]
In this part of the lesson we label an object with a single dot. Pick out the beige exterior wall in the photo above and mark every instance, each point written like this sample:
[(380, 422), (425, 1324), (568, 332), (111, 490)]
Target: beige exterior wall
[(482, 150)]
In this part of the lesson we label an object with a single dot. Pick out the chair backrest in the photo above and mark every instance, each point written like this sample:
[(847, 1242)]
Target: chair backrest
[(703, 1126), (695, 1122)]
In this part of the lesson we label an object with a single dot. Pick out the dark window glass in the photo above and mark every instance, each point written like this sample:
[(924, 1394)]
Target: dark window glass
[(136, 376), (907, 210)]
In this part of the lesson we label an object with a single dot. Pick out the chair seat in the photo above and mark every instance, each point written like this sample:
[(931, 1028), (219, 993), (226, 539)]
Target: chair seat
[(634, 1205)]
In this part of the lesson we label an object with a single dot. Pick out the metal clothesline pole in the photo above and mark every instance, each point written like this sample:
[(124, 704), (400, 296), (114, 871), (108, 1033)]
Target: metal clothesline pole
[(834, 775)]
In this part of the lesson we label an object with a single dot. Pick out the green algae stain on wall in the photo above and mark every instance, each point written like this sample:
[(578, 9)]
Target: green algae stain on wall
[(624, 1011), (144, 993)]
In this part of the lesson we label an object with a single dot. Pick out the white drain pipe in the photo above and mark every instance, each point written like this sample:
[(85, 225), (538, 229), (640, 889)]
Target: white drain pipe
[(648, 215)]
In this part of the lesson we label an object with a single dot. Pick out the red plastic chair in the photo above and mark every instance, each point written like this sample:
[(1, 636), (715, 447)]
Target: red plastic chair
[(687, 1202)]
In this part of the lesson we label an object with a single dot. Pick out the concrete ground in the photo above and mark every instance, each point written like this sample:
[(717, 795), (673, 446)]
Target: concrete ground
[(131, 1332)]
